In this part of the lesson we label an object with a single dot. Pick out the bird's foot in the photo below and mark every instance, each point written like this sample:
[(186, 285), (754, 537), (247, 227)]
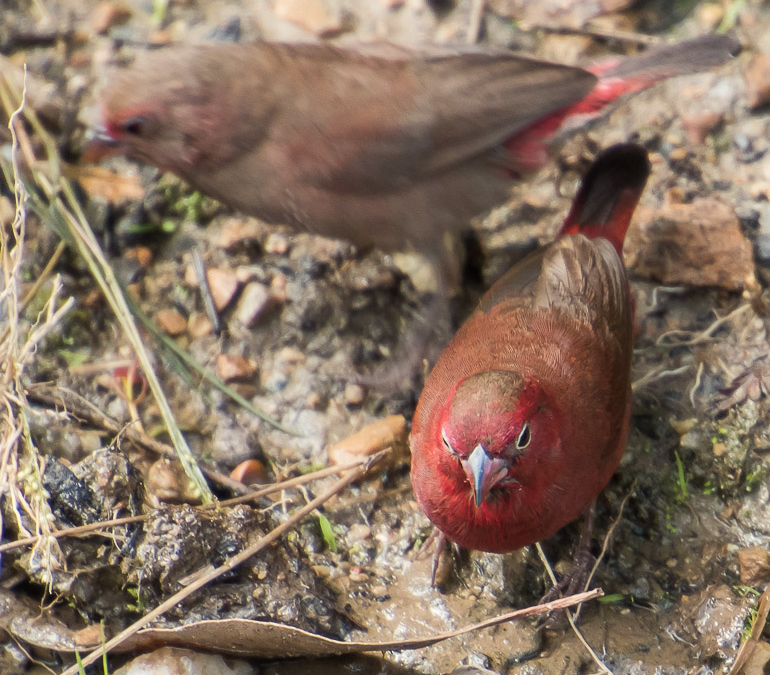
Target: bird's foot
[(579, 575), (576, 578), (442, 558)]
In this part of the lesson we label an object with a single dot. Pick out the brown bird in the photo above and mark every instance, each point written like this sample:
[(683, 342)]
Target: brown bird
[(376, 144)]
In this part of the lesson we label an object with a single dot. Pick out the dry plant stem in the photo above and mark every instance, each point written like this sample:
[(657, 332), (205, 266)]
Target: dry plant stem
[(229, 565), (578, 634), (38, 283), (205, 290), (62, 200), (270, 489), (80, 408), (703, 336), (606, 542), (619, 35), (73, 531), (657, 374)]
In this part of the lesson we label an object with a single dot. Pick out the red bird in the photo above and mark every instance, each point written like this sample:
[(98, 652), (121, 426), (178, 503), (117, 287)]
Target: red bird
[(525, 416), (377, 144)]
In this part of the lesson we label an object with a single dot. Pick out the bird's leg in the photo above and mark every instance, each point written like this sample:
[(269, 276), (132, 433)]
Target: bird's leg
[(438, 538), (574, 580)]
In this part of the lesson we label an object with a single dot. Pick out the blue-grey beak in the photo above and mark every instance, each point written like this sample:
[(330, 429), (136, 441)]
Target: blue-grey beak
[(483, 473)]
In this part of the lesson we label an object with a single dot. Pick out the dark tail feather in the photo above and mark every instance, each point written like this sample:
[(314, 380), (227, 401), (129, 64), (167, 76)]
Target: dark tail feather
[(609, 194), (692, 56)]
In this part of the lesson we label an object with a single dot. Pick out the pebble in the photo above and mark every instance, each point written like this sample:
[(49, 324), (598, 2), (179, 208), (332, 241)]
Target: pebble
[(357, 575), (171, 322), (757, 79), (249, 472), (354, 394), (324, 18), (755, 565), (358, 532), (254, 301), (108, 14), (379, 591), (276, 243), (235, 367), (167, 482), (223, 284), (199, 325), (388, 433), (697, 244)]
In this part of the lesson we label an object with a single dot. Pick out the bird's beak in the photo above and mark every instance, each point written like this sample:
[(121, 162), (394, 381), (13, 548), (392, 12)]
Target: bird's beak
[(483, 473), (98, 146)]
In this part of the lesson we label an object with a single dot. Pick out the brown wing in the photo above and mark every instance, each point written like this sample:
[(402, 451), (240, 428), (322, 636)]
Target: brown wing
[(379, 117), (587, 279), (584, 277), (481, 98)]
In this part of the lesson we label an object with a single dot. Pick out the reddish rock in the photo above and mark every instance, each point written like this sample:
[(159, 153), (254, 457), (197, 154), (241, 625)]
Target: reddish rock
[(171, 322), (697, 244)]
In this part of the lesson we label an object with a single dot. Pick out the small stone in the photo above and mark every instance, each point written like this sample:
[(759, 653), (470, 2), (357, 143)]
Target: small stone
[(325, 18), (250, 472), (291, 356), (358, 532), (379, 591), (683, 426), (199, 325), (757, 79), (315, 401), (678, 154), (710, 15), (698, 126), (236, 231), (354, 394), (108, 14), (357, 575), (142, 255), (278, 286), (388, 433), (235, 367), (223, 284), (276, 243), (254, 300), (755, 565), (171, 322), (167, 482)]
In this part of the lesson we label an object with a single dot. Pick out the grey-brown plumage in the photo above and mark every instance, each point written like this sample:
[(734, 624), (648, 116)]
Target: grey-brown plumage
[(376, 144)]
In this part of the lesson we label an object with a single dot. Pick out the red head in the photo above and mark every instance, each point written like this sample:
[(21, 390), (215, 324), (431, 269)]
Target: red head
[(493, 446)]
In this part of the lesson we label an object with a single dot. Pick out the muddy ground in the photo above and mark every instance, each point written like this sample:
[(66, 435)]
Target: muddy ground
[(687, 509)]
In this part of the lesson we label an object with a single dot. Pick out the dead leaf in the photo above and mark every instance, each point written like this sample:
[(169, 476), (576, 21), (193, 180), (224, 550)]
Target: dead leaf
[(99, 181)]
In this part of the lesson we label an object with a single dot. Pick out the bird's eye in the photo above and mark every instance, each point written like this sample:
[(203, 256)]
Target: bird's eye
[(137, 126), (524, 437), (446, 442)]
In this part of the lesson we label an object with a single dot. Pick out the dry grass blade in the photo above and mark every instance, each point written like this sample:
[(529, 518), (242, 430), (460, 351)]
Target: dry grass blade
[(236, 560), (570, 618), (53, 198), (21, 465)]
